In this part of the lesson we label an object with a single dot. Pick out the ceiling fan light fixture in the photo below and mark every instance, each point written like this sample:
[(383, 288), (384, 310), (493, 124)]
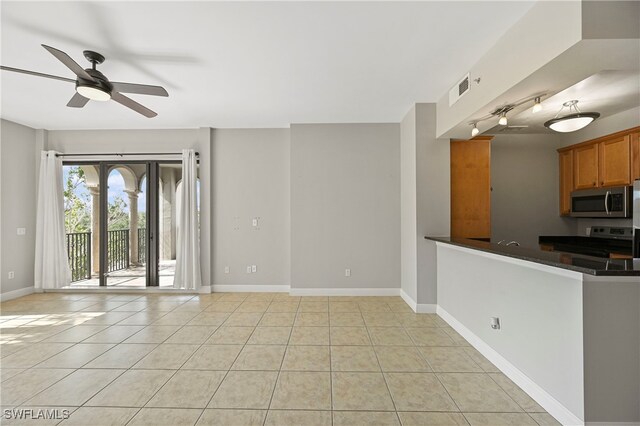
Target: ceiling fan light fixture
[(93, 93), (475, 131), (503, 119), (571, 122)]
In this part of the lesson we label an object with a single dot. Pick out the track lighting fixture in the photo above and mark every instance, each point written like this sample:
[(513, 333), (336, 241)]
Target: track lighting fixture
[(502, 111), (537, 106), (475, 130)]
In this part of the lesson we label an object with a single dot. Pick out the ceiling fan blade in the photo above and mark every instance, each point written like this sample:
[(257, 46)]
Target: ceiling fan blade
[(130, 103), (142, 89), (70, 63), (77, 101), (37, 74)]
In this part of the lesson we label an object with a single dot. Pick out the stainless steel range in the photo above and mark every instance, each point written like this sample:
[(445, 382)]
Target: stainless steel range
[(603, 241)]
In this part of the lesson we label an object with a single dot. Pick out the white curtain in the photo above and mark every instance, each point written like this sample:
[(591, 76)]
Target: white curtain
[(51, 263), (188, 248)]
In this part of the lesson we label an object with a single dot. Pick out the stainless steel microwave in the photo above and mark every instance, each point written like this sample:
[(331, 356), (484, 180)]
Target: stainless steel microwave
[(602, 202)]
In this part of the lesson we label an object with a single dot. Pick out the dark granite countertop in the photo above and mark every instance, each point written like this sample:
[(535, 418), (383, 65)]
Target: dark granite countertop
[(573, 262), (605, 245)]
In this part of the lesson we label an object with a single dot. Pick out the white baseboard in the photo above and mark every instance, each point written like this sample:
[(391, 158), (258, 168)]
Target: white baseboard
[(14, 294), (344, 292), (427, 308), (548, 402), (204, 289), (231, 288), (116, 290), (418, 308)]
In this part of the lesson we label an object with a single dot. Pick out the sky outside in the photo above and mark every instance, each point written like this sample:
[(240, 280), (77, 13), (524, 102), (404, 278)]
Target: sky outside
[(116, 188)]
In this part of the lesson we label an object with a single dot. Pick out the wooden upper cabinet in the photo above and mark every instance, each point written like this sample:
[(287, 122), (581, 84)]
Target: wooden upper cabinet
[(566, 182), (635, 155), (615, 161), (612, 160), (585, 166)]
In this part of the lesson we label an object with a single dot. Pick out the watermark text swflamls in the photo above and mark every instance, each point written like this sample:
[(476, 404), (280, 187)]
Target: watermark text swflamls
[(35, 414)]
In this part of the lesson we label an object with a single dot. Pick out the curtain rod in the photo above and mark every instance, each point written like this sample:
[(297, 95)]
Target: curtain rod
[(111, 154)]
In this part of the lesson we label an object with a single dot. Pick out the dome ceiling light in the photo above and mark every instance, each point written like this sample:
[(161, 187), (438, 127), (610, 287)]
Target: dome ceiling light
[(573, 121)]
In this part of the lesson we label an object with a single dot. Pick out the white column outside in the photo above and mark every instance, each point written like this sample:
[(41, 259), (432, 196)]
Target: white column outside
[(133, 226), (95, 229)]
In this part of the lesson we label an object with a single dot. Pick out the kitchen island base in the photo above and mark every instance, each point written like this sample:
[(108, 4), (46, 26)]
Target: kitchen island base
[(569, 339)]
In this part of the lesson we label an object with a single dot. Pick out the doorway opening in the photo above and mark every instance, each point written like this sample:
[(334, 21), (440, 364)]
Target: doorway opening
[(124, 236)]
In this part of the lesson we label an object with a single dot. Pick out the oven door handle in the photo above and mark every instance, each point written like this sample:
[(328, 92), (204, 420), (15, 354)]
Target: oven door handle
[(606, 202)]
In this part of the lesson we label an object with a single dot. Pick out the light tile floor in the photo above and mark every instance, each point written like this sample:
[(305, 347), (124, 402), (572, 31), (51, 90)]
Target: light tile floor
[(246, 359)]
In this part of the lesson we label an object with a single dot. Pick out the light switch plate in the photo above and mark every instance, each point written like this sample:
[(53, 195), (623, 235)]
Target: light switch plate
[(21, 231)]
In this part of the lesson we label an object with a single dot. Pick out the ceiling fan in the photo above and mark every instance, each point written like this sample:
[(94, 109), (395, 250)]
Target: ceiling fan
[(91, 84)]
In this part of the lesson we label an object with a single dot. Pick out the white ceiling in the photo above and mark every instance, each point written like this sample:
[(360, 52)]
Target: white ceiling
[(233, 64), (606, 92)]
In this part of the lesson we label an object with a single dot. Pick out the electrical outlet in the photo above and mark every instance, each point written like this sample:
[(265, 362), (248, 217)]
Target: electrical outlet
[(21, 231), (226, 269), (347, 272), (248, 269), (12, 275), (255, 223), (254, 268)]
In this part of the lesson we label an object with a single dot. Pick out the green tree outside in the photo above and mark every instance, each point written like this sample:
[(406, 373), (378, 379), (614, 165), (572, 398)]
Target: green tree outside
[(77, 206)]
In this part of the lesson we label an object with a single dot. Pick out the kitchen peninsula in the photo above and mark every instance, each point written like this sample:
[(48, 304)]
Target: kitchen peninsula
[(564, 327)]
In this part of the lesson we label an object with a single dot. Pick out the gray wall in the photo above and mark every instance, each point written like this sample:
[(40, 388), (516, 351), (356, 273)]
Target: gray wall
[(434, 197), (124, 141), (345, 205), (408, 206), (18, 204), (525, 196), (251, 179), (425, 202)]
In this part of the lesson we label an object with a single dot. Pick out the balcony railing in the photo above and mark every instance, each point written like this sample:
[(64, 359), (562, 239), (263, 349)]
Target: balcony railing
[(142, 245), (79, 250), (79, 253), (117, 250)]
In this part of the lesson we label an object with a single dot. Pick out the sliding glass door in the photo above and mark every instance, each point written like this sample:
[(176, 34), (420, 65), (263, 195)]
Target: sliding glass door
[(126, 234), (122, 220)]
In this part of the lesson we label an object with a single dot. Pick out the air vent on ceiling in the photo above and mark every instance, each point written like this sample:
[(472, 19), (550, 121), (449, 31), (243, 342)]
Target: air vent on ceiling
[(511, 129), (459, 90)]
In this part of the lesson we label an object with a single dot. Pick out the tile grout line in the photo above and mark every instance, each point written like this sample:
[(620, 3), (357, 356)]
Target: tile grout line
[(264, 422), (64, 377), (404, 326), (131, 367), (384, 378), (179, 368), (234, 360)]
